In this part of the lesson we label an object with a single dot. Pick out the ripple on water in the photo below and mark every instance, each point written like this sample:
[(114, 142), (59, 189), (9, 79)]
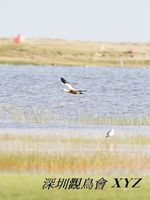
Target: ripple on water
[(31, 94)]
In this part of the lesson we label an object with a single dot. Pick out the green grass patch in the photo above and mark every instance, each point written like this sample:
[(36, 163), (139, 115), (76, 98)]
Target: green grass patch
[(32, 139), (29, 187)]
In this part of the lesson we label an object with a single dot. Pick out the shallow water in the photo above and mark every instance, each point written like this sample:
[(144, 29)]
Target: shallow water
[(78, 131), (33, 94)]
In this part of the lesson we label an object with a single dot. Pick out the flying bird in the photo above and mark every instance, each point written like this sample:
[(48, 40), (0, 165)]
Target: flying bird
[(71, 89), (110, 133)]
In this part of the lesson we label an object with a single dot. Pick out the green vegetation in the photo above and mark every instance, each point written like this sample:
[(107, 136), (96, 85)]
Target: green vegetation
[(29, 187), (31, 139), (27, 159), (74, 53), (140, 121), (45, 116)]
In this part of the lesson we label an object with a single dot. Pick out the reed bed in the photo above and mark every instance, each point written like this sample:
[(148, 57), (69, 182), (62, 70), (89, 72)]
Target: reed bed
[(141, 121), (54, 153), (68, 138), (16, 114), (63, 163)]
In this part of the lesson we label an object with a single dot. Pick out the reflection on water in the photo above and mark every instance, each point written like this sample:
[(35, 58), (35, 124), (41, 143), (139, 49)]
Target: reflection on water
[(32, 94)]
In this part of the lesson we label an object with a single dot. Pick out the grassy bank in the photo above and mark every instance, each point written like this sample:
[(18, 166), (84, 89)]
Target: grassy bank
[(29, 187), (74, 53)]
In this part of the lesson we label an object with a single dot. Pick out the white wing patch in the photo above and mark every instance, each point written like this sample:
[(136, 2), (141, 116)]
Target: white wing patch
[(70, 86)]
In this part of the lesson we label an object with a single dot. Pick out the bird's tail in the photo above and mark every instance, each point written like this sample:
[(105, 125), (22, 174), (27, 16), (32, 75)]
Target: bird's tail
[(82, 90)]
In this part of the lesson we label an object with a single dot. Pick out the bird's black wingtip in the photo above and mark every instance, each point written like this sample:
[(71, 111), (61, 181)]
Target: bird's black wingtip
[(63, 80)]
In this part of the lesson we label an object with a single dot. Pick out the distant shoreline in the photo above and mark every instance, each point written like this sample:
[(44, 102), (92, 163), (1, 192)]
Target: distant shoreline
[(74, 53)]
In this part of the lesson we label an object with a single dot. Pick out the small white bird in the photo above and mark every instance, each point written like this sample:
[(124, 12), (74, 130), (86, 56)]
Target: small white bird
[(110, 133), (71, 89)]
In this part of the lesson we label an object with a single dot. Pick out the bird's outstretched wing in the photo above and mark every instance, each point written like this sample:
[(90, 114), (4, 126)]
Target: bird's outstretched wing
[(67, 84)]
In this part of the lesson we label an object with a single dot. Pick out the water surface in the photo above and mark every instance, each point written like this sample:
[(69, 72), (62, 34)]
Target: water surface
[(33, 94)]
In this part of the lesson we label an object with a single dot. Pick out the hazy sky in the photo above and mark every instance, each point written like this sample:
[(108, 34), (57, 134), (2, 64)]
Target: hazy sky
[(99, 20)]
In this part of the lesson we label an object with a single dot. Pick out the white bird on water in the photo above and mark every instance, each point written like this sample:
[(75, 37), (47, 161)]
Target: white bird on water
[(71, 89), (110, 133)]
